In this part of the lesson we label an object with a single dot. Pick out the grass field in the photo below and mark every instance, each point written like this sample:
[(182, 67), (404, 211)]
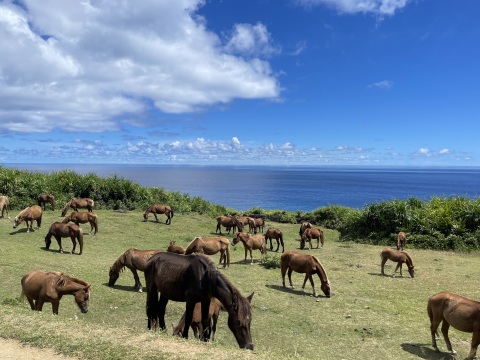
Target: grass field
[(368, 317)]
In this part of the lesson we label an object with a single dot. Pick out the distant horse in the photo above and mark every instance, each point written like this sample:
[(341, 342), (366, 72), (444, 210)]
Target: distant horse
[(277, 235), (82, 218), (211, 246), (4, 205), (196, 325), (60, 230), (44, 199), (259, 224), (29, 214), (229, 222), (247, 220), (251, 242), (401, 240), (304, 264), (159, 209), (304, 226), (175, 248), (399, 257), (455, 310), (309, 234), (40, 287), (193, 279), (134, 260), (78, 203)]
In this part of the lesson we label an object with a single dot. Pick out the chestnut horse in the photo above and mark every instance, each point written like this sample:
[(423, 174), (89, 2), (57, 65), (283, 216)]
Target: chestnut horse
[(159, 209), (399, 257), (259, 223), (277, 235), (193, 279), (29, 214), (4, 205), (304, 264), (305, 225), (60, 230), (82, 218), (251, 242), (309, 234), (229, 222), (175, 248), (40, 287), (44, 199), (211, 246), (401, 240), (455, 310), (134, 260), (78, 203), (247, 220)]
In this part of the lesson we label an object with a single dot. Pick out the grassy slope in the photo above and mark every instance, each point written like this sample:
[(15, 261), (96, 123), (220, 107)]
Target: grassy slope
[(369, 317)]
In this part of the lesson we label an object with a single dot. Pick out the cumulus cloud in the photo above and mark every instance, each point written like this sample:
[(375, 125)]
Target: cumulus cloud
[(378, 7), (384, 84), (252, 40)]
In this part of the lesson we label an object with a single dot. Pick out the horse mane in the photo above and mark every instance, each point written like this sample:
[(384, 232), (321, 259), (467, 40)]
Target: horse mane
[(192, 243), (119, 264), (323, 273), (409, 260)]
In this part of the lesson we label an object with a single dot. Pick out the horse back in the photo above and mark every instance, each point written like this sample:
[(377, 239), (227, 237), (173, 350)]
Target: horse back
[(460, 312)]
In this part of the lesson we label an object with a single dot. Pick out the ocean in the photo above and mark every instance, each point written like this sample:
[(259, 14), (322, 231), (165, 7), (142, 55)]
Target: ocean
[(289, 188)]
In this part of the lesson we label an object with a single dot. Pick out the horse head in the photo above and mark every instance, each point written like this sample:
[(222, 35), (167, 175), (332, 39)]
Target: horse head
[(113, 275), (48, 241), (326, 288), (82, 298), (239, 321)]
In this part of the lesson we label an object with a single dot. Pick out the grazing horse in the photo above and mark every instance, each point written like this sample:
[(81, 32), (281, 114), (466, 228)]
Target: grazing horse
[(305, 225), (175, 248), (44, 199), (196, 325), (399, 257), (40, 287), (259, 224), (401, 240), (193, 279), (312, 233), (60, 230), (210, 246), (455, 310), (247, 220), (304, 264), (134, 260), (4, 205), (78, 203), (229, 222), (82, 218), (277, 235), (29, 214), (251, 242), (159, 209)]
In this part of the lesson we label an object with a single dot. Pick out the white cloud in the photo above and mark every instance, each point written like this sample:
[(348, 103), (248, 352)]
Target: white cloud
[(444, 151), (384, 84), (378, 7), (251, 40)]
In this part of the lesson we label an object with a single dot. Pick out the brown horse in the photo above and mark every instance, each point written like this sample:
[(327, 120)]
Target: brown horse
[(312, 233), (134, 260), (44, 199), (78, 203), (259, 223), (304, 226), (29, 214), (455, 310), (251, 242), (276, 234), (211, 246), (193, 279), (304, 264), (40, 287), (60, 230), (229, 222), (4, 205), (175, 248), (196, 325), (399, 257), (247, 220), (159, 209), (401, 240), (82, 218)]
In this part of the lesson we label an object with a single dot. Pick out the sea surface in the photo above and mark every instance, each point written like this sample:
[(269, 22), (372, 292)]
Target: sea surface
[(289, 188)]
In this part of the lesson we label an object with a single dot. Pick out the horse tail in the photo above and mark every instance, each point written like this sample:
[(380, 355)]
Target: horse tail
[(322, 237), (95, 224), (80, 239), (228, 255), (171, 212)]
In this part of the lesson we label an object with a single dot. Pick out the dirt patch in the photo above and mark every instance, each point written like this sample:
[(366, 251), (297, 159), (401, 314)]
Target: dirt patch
[(15, 350)]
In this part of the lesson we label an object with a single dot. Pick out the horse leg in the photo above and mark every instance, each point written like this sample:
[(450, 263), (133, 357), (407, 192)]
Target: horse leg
[(309, 277), (224, 257), (206, 326), (251, 256), (155, 215), (162, 304), (190, 305), (278, 244), (318, 242), (384, 260), (245, 260), (399, 266), (474, 345), (169, 219), (59, 241), (39, 304), (445, 327), (31, 302), (138, 284), (290, 277), (55, 305), (74, 243)]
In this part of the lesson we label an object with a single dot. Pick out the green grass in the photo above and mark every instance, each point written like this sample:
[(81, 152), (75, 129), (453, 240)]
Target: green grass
[(369, 316)]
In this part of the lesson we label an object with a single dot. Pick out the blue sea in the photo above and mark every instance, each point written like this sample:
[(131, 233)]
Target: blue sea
[(290, 188)]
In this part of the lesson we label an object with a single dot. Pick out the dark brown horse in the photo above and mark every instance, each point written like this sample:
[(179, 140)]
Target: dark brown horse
[(304, 264), (134, 260), (60, 230), (28, 215), (159, 209), (196, 325), (276, 234), (229, 222), (78, 203), (211, 246), (251, 242), (400, 257), (40, 287), (82, 218), (193, 279), (175, 248), (312, 233), (304, 226), (455, 310), (4, 205), (401, 240), (44, 199)]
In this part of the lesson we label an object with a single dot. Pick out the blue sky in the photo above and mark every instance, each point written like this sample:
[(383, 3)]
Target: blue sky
[(274, 82)]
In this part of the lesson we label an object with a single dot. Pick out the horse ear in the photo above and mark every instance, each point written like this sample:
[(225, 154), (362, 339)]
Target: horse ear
[(87, 288), (249, 298)]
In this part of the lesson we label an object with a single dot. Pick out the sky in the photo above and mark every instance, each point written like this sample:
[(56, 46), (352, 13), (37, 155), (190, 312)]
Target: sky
[(236, 82)]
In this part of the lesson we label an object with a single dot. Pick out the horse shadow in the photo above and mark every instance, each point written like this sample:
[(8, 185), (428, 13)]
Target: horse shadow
[(22, 230), (65, 252), (124, 287), (424, 351), (289, 290)]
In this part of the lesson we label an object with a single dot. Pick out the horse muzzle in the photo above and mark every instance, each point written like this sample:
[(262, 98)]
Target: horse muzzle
[(249, 346)]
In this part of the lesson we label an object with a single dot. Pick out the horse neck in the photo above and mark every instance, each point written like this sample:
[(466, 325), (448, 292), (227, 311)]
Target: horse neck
[(226, 293), (321, 272), (119, 263), (408, 260), (70, 285)]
